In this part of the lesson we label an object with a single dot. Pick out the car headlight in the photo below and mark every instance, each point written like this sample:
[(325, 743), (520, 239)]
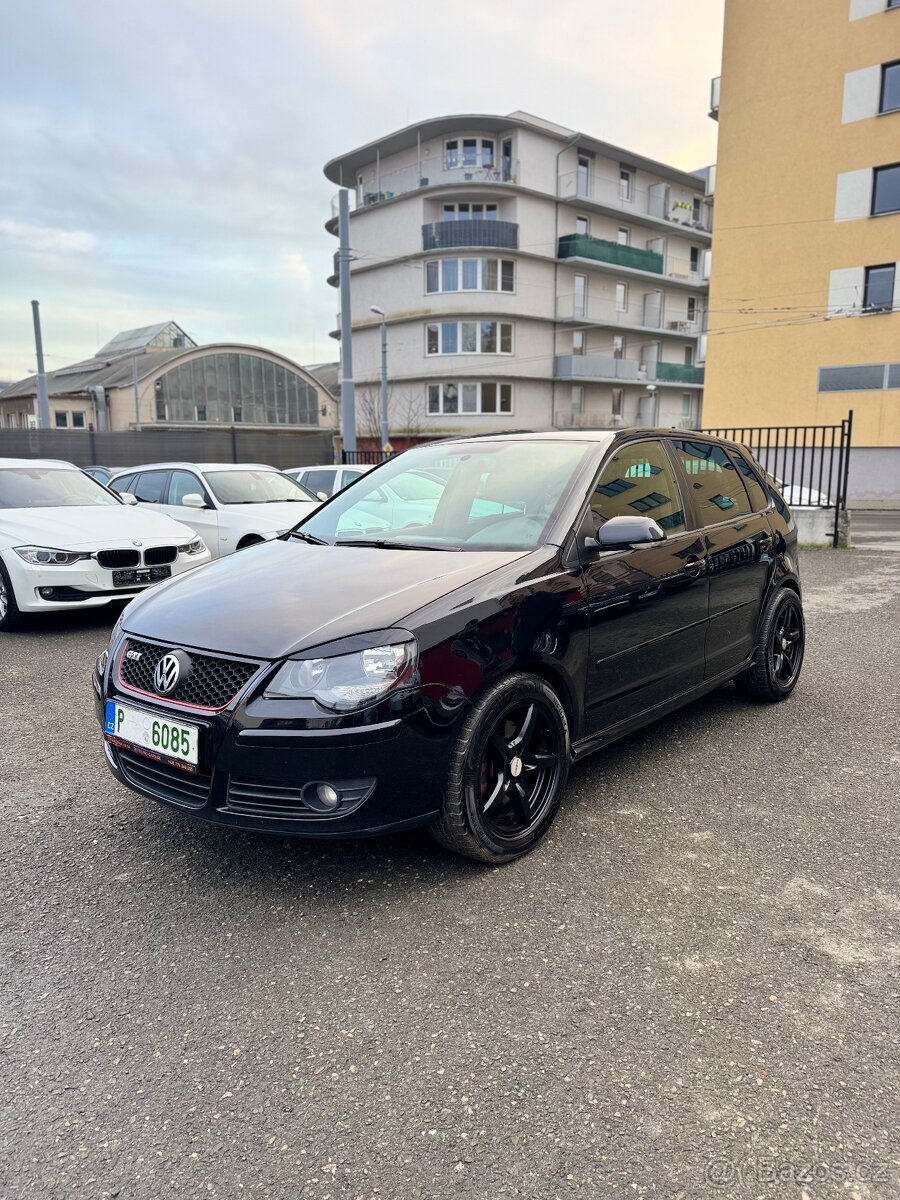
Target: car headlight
[(347, 681), (197, 546), (46, 556)]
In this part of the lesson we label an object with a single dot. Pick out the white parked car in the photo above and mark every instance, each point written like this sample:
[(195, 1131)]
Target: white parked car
[(230, 505), (326, 481), (66, 542)]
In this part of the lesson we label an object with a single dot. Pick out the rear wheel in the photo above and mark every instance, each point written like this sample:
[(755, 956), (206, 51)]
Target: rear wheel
[(780, 646), (508, 772), (10, 617)]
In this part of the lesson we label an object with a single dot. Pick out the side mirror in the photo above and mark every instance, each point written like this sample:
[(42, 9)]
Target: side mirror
[(618, 533), (322, 495), (193, 500), (128, 498)]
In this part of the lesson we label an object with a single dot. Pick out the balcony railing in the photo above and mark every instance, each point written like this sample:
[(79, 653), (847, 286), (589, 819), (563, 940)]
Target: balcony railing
[(649, 312), (658, 201), (668, 372), (379, 185), (451, 235), (578, 245), (715, 95), (628, 370)]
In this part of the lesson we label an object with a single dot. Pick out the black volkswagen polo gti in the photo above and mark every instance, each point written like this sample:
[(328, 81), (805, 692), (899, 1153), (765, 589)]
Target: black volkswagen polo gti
[(437, 643)]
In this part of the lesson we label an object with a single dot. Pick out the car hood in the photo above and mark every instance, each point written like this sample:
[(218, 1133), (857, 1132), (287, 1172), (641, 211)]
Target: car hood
[(272, 600), (273, 517), (85, 527)]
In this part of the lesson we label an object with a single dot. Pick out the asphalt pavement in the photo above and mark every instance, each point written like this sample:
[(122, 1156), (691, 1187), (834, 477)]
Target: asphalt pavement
[(691, 989)]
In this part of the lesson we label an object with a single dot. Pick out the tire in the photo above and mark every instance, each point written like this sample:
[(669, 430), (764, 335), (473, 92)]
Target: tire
[(516, 731), (778, 656), (252, 540), (10, 617)]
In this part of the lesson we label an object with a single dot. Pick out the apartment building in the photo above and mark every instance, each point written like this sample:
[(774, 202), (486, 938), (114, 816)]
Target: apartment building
[(805, 290), (531, 276)]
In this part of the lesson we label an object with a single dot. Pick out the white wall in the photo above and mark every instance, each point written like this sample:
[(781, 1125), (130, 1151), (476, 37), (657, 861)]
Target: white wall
[(853, 195), (862, 94)]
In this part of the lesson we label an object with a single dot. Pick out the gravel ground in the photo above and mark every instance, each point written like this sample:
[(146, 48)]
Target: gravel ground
[(690, 990)]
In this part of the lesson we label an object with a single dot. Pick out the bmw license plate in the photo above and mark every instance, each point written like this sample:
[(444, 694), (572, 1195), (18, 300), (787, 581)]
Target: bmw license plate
[(144, 575), (155, 736)]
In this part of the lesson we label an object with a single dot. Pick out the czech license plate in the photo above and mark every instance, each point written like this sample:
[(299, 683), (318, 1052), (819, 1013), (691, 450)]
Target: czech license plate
[(156, 736), (140, 575)]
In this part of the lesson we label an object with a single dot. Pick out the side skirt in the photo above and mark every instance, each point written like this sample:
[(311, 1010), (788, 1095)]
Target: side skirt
[(585, 746)]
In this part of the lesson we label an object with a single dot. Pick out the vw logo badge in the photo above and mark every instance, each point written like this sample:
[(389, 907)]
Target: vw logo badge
[(168, 673)]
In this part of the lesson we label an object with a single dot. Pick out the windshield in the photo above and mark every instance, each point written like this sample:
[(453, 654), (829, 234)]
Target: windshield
[(454, 496), (256, 487), (50, 487)]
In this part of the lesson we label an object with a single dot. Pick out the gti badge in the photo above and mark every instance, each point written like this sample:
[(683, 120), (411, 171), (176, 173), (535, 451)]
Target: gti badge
[(170, 671)]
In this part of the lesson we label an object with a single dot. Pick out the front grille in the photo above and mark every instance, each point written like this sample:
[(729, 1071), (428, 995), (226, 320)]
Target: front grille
[(156, 555), (118, 558), (163, 781), (211, 683)]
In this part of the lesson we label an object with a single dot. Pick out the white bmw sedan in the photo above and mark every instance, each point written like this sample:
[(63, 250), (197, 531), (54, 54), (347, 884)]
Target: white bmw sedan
[(67, 542)]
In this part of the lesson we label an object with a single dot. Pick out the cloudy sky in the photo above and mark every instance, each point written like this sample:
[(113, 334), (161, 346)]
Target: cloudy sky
[(164, 160)]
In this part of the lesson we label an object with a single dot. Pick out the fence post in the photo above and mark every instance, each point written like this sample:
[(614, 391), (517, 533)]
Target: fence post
[(234, 451)]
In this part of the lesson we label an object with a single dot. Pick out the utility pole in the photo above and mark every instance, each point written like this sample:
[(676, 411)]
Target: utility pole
[(43, 397), (137, 397), (348, 390)]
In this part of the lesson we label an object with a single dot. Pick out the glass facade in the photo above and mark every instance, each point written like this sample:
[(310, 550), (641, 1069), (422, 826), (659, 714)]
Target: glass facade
[(228, 388)]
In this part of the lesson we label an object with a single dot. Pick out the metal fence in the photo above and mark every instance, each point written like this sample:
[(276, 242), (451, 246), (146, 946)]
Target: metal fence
[(278, 448), (364, 458), (810, 462)]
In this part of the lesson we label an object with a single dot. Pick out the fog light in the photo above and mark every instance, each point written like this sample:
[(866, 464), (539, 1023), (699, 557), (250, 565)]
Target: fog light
[(327, 796), (46, 593)]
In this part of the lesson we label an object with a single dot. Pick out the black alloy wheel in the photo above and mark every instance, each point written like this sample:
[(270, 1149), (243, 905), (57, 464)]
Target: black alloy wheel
[(508, 772), (780, 647)]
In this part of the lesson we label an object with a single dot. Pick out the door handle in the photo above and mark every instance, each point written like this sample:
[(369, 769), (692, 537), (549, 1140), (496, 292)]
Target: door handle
[(693, 566)]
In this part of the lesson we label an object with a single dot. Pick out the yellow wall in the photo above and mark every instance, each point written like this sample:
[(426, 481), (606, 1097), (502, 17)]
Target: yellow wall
[(781, 148)]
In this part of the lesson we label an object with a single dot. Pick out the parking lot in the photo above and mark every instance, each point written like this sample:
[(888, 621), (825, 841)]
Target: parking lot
[(690, 985)]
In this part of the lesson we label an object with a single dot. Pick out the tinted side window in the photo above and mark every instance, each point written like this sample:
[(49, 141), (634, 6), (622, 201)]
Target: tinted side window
[(639, 480), (715, 484), (149, 486), (349, 477), (320, 481), (757, 496), (183, 483), (123, 484)]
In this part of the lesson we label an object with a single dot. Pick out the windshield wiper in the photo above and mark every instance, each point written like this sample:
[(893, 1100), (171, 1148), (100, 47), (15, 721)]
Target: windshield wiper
[(308, 537), (383, 544)]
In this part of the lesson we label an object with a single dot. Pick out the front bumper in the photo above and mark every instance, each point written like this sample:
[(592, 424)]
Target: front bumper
[(80, 585), (391, 774)]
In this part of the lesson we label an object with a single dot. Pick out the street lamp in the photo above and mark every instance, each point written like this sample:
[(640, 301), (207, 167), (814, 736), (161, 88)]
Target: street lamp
[(385, 435)]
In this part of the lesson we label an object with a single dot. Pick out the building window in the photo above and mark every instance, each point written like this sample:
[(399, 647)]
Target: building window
[(468, 152), (161, 410), (200, 412), (579, 308), (470, 275), (237, 414), (582, 225), (618, 402), (465, 211), (621, 297), (623, 237), (209, 387), (61, 419), (578, 342), (691, 309), (583, 176), (695, 260), (893, 3), (890, 87), (879, 294), (626, 183), (687, 406), (689, 356), (453, 399), (619, 345), (78, 420), (697, 210), (577, 399), (886, 192), (469, 337)]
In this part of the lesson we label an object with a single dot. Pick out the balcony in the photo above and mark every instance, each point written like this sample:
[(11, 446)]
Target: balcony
[(454, 235), (678, 373), (576, 245), (658, 203), (378, 185), (715, 95), (647, 313)]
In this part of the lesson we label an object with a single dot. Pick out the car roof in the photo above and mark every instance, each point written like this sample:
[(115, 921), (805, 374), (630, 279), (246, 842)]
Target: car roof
[(50, 463), (194, 466), (581, 435), (332, 467)]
